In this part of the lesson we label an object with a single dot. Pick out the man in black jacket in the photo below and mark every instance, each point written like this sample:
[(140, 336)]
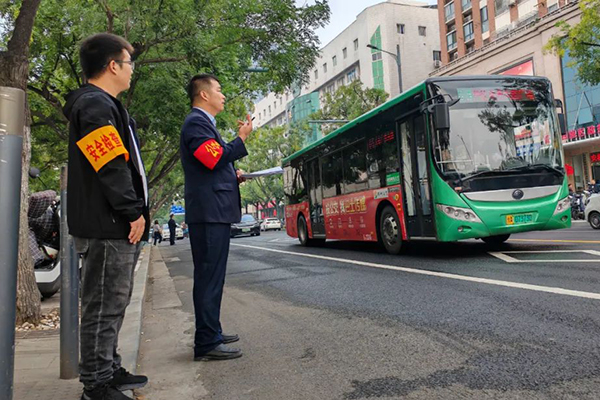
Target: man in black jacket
[(107, 210)]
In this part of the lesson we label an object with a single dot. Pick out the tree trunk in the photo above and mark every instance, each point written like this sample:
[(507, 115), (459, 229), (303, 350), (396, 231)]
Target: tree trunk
[(14, 71)]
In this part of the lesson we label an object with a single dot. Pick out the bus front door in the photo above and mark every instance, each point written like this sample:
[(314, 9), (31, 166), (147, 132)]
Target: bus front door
[(317, 220), (415, 177)]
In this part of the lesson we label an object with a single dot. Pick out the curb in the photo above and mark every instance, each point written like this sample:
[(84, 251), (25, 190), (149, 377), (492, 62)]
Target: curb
[(131, 331)]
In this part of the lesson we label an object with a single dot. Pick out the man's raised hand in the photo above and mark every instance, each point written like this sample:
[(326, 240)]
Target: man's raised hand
[(245, 127)]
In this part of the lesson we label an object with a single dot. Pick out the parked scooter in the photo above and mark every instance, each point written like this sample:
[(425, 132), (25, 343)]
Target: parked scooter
[(44, 238)]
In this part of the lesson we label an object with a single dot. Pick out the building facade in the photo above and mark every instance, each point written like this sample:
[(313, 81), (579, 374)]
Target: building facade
[(519, 50), (410, 28), (467, 25)]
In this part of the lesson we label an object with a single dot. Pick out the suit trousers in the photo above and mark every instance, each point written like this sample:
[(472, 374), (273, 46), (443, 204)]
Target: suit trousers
[(210, 249)]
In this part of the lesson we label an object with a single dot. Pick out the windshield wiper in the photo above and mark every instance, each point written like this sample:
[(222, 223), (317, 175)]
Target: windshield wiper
[(536, 166)]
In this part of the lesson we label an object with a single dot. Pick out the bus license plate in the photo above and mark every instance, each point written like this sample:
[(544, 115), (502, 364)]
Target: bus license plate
[(246, 230), (519, 219)]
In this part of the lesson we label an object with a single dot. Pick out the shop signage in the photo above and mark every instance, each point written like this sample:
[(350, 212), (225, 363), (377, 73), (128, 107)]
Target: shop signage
[(588, 132), (595, 157)]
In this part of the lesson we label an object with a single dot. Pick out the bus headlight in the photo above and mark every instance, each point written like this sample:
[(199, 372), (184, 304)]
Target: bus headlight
[(562, 205), (459, 213)]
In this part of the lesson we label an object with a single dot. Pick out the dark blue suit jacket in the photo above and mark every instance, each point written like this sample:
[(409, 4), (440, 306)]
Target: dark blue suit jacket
[(212, 193)]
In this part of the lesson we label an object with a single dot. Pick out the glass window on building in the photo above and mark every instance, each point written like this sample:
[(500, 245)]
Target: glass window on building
[(422, 31), (501, 6), (351, 75), (451, 39), (316, 74), (400, 28), (466, 4), (376, 56), (355, 44), (334, 60), (325, 68), (468, 31), (437, 55), (485, 24), (449, 11), (345, 52)]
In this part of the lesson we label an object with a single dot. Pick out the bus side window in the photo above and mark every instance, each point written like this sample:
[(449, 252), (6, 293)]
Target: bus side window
[(355, 167), (332, 174), (382, 158)]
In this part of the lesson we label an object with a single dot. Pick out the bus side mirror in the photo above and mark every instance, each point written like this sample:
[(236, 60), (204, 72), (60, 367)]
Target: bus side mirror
[(441, 115), (562, 123)]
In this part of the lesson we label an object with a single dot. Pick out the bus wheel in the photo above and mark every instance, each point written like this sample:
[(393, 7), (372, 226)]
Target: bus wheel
[(389, 230), (498, 239), (303, 231), (594, 219)]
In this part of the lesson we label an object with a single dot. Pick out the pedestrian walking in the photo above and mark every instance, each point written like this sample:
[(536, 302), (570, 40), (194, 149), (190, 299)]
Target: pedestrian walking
[(212, 203), (172, 227), (157, 232), (107, 210)]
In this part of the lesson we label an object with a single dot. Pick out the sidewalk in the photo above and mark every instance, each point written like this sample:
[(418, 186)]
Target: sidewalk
[(37, 359)]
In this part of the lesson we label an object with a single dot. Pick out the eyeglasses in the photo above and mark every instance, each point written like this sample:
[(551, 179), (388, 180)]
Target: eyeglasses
[(130, 62)]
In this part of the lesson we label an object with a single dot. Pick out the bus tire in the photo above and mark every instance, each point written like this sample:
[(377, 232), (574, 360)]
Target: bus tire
[(303, 234), (303, 231), (495, 240), (389, 230), (594, 219)]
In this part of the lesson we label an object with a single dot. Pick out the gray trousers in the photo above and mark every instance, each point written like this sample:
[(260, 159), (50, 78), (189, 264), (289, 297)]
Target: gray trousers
[(108, 268)]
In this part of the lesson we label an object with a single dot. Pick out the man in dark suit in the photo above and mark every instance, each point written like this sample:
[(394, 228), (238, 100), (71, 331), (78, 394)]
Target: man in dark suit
[(212, 203), (172, 230)]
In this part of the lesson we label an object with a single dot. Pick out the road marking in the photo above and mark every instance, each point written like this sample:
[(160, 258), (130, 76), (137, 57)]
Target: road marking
[(516, 285), (555, 241), (503, 255)]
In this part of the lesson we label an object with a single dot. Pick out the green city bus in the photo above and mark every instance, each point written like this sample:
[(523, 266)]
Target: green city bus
[(452, 158)]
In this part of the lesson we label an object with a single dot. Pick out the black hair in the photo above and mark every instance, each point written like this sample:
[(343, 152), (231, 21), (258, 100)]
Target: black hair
[(97, 51), (198, 83)]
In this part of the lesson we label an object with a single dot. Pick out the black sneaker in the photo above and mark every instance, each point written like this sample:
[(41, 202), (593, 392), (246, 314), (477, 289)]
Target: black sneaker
[(123, 380), (104, 392)]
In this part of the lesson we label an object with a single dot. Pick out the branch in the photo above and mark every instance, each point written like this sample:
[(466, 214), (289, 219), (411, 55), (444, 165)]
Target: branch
[(49, 121), (168, 167), (109, 15), (160, 60), (19, 42)]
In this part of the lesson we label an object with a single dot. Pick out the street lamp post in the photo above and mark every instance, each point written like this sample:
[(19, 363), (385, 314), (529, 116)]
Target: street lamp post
[(396, 57)]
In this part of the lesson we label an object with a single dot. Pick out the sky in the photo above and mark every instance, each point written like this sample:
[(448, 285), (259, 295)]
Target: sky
[(343, 13)]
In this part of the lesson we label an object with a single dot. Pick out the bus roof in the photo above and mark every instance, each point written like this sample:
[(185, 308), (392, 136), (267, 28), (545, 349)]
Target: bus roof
[(401, 97)]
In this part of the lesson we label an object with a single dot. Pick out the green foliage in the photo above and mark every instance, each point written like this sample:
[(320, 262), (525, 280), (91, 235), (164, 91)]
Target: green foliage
[(582, 41), (266, 148), (173, 40), (347, 103)]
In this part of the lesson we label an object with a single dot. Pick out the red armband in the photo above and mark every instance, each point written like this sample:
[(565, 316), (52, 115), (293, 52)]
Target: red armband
[(209, 153)]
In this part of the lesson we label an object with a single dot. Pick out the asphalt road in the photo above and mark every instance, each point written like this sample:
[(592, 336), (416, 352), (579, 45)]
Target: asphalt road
[(441, 321)]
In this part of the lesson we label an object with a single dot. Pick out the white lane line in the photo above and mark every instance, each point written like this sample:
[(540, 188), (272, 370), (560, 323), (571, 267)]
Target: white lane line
[(504, 256), (516, 285)]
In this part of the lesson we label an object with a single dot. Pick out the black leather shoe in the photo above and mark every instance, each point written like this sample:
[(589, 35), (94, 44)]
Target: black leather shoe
[(221, 352), (104, 392), (230, 338)]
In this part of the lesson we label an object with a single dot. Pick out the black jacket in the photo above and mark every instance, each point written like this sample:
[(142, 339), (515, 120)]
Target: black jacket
[(212, 193), (105, 190)]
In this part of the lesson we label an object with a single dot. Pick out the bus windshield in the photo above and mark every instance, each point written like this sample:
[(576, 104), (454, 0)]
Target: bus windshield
[(499, 125)]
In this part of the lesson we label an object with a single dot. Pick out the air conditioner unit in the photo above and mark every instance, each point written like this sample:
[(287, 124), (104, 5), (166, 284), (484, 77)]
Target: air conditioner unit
[(437, 64)]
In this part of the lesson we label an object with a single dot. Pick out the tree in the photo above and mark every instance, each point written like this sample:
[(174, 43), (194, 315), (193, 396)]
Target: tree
[(173, 41), (582, 42), (14, 71), (347, 103)]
